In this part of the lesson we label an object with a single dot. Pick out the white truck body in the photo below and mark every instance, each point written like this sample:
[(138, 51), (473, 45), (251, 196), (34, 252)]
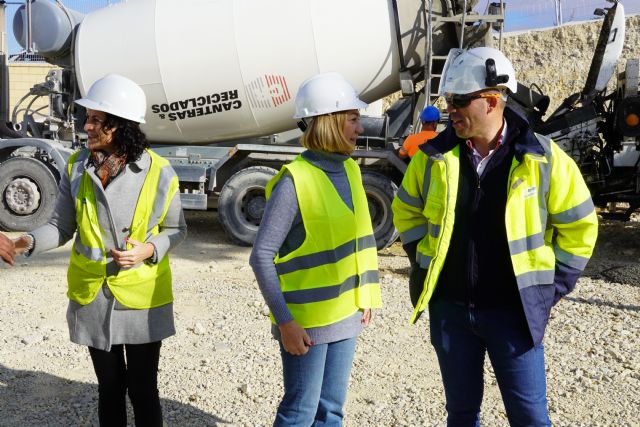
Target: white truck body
[(220, 79), (220, 70)]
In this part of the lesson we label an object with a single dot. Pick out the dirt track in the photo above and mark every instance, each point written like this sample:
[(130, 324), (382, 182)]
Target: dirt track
[(223, 368)]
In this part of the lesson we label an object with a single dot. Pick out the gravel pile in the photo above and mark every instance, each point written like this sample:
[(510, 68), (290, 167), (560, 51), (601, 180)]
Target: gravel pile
[(223, 368)]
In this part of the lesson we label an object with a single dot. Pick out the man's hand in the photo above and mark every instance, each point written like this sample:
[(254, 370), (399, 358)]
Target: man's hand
[(139, 252), (294, 338), (7, 249)]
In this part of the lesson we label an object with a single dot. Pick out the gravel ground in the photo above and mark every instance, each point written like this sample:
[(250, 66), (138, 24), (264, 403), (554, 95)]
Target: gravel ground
[(223, 368)]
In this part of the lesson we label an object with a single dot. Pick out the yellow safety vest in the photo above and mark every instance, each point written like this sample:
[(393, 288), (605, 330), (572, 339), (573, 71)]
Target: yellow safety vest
[(549, 214), (142, 286), (334, 273)]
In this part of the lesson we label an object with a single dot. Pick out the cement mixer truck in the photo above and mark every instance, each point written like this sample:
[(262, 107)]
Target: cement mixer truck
[(220, 78)]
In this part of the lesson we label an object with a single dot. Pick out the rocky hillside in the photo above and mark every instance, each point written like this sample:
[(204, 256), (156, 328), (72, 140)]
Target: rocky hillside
[(558, 59)]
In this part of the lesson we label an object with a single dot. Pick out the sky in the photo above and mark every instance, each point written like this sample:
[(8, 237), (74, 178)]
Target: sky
[(520, 14), (529, 14)]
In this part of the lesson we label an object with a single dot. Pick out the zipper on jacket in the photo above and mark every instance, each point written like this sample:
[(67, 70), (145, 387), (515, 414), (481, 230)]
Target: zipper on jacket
[(472, 262)]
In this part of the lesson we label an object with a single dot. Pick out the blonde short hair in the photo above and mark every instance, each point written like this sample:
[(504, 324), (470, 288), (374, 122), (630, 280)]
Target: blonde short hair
[(326, 133)]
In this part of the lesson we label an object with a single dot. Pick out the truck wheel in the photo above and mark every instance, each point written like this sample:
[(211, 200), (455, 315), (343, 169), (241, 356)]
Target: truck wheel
[(380, 192), (242, 202), (28, 190)]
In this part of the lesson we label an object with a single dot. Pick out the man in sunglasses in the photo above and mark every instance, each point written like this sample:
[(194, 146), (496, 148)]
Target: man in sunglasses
[(498, 224)]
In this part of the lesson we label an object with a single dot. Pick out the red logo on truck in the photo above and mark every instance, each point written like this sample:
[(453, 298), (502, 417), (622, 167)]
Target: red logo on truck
[(268, 91)]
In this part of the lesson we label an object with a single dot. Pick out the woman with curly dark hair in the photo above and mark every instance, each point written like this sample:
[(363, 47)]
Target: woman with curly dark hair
[(122, 202), (128, 138)]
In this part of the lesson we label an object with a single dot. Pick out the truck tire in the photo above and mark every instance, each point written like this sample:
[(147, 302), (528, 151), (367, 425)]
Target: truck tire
[(242, 202), (28, 191), (380, 192)]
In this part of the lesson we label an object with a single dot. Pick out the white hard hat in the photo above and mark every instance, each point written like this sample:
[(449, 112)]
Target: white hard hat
[(117, 95), (326, 93), (468, 71)]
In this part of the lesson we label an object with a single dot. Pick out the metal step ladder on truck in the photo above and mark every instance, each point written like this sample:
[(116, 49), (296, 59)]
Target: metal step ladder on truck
[(219, 96)]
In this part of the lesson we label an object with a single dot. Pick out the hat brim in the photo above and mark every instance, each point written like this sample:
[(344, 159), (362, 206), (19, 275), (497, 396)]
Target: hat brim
[(356, 105), (93, 105)]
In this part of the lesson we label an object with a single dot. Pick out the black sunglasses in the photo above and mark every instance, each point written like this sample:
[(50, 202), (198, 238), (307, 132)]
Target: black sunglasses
[(461, 101)]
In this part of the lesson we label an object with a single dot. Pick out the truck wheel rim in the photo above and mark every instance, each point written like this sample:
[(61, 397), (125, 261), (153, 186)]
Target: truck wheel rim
[(253, 204), (22, 196), (377, 211)]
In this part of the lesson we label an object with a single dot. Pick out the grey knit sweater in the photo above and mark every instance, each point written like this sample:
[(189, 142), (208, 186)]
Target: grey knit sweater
[(282, 230)]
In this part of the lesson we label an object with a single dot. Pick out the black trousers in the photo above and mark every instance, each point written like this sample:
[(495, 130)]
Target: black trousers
[(136, 375)]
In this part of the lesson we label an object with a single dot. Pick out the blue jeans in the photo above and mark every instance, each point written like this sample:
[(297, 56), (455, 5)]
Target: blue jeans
[(315, 385), (461, 336)]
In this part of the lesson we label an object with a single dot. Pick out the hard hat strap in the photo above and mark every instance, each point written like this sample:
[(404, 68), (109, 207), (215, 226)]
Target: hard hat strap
[(302, 125)]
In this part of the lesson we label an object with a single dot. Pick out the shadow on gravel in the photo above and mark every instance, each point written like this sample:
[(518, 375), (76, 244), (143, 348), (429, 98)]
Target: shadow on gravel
[(628, 274), (31, 398), (597, 301), (403, 271)]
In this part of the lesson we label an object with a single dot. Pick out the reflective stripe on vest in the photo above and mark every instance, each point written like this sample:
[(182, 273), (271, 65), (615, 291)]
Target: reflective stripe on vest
[(334, 273), (142, 286)]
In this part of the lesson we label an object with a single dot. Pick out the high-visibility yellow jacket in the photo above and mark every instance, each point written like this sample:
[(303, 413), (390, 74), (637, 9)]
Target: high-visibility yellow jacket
[(550, 218), (334, 273), (142, 286)]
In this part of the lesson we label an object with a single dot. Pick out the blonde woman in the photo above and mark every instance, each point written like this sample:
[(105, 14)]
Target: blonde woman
[(315, 256)]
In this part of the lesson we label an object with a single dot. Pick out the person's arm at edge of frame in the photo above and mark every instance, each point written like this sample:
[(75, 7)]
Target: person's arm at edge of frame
[(276, 223), (574, 219), (7, 249)]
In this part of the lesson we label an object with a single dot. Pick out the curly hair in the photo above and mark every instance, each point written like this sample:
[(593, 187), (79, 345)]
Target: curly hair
[(128, 138)]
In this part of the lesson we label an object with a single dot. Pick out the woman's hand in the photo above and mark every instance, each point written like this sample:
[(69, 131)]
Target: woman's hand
[(138, 253), (366, 317), (294, 338)]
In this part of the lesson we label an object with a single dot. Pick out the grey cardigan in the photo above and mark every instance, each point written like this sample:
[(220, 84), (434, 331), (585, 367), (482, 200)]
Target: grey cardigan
[(105, 322)]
